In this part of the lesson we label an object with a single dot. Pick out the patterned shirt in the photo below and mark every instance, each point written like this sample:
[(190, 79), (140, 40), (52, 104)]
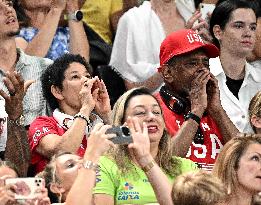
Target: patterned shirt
[(60, 43), (31, 68)]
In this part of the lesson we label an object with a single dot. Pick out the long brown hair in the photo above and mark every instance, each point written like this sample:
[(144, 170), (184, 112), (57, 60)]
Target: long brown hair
[(227, 163), (164, 156)]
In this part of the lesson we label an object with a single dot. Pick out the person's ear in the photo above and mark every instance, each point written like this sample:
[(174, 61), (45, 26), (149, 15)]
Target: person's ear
[(256, 121), (57, 92), (217, 32), (57, 188), (166, 74)]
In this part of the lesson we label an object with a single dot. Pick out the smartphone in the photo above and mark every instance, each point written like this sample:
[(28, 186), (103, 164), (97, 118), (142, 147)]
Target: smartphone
[(122, 135), (26, 187), (205, 9)]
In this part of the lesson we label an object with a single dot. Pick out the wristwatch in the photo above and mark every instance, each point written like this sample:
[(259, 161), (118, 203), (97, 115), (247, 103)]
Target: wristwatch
[(90, 165), (75, 15), (192, 116), (19, 121)]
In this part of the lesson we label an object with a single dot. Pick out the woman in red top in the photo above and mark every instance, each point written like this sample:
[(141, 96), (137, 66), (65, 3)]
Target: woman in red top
[(78, 102)]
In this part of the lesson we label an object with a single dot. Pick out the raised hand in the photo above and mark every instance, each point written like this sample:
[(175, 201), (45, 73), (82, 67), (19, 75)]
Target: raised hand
[(98, 142), (17, 89), (86, 95), (196, 23), (41, 197), (198, 93), (72, 5), (214, 102), (59, 4), (6, 192), (102, 105), (141, 143)]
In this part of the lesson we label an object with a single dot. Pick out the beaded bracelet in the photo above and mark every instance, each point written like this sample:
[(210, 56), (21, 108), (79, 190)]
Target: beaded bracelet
[(80, 115)]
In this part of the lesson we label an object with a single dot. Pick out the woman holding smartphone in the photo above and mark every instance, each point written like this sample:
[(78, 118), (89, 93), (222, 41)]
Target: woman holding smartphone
[(8, 190), (71, 178), (122, 177)]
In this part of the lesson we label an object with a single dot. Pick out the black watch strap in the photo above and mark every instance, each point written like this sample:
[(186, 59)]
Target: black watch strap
[(192, 116)]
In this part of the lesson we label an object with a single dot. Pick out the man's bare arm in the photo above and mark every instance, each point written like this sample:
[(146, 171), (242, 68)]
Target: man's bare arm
[(17, 147)]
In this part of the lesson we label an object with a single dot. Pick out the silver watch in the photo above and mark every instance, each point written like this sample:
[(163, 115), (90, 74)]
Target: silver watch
[(75, 15), (19, 121), (90, 165)]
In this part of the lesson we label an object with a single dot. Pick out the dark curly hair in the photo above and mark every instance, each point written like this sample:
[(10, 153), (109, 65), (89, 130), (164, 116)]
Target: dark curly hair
[(54, 75), (222, 14)]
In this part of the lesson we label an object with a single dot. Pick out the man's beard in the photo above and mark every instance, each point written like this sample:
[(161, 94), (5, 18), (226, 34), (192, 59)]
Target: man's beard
[(13, 33)]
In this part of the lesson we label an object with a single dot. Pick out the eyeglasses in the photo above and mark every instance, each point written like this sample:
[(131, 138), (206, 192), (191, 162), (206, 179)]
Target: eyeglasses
[(193, 63)]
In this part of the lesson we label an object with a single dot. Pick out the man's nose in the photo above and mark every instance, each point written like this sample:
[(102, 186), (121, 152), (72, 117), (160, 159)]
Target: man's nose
[(248, 32)]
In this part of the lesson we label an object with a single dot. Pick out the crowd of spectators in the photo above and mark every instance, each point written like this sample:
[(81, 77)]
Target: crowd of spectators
[(186, 130)]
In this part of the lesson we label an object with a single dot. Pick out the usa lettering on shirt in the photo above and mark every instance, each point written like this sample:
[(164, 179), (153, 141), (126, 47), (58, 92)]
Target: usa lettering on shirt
[(205, 154), (39, 132)]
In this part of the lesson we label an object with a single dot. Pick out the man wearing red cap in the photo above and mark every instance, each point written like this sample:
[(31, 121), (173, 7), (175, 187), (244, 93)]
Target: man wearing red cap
[(190, 98)]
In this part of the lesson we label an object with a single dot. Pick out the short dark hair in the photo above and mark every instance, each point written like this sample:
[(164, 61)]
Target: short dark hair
[(54, 75), (258, 3), (222, 14)]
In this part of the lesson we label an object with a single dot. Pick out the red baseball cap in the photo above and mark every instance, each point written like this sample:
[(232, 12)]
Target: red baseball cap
[(184, 41)]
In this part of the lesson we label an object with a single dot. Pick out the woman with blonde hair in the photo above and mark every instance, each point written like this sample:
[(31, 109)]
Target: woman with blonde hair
[(254, 111), (197, 188), (122, 178), (71, 178), (239, 168)]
